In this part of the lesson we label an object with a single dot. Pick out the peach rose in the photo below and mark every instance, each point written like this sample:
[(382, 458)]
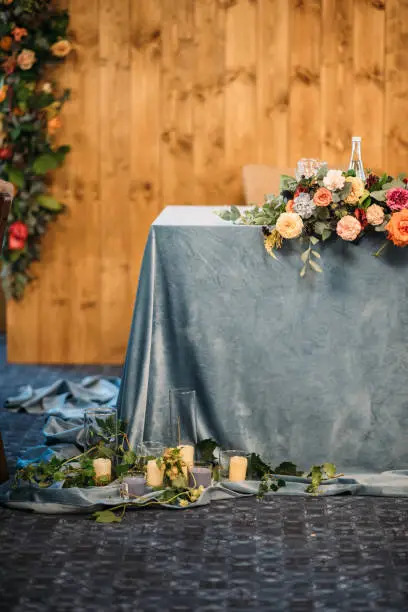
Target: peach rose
[(54, 125), (3, 93), (348, 228), (61, 48), (357, 189), (375, 214), (398, 228), (19, 33), (289, 206), (289, 225), (26, 59), (322, 197)]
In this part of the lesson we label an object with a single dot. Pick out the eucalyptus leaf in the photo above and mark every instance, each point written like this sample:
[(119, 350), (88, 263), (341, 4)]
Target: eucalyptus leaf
[(320, 226), (314, 240), (316, 254), (315, 266), (380, 196), (303, 272), (305, 255)]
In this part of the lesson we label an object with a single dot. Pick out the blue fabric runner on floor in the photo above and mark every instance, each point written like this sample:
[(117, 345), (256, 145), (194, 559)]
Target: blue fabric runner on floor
[(63, 430)]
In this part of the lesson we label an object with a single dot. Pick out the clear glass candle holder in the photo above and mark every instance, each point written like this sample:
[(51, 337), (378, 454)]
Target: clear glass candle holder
[(100, 427), (183, 416), (234, 465), (308, 167), (150, 449)]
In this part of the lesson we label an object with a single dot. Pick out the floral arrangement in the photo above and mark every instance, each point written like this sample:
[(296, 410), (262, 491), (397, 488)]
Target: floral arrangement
[(33, 37), (330, 203)]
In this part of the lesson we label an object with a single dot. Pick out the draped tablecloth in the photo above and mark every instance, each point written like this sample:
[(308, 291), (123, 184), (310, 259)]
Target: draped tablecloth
[(311, 370)]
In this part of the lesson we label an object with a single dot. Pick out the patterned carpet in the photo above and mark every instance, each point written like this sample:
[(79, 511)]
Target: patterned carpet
[(284, 554)]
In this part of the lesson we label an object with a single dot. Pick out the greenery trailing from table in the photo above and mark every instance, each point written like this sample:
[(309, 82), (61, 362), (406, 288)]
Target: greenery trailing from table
[(33, 39), (327, 204), (79, 471)]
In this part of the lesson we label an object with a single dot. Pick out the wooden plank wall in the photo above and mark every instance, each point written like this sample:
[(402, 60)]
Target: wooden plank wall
[(170, 98)]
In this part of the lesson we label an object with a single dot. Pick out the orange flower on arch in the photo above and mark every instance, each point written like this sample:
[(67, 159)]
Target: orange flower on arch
[(5, 43), (54, 125), (19, 33)]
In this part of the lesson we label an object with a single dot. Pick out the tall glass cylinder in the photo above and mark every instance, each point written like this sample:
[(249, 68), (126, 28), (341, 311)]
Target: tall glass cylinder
[(100, 427), (183, 416)]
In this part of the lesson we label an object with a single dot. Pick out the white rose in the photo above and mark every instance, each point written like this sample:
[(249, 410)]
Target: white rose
[(334, 179)]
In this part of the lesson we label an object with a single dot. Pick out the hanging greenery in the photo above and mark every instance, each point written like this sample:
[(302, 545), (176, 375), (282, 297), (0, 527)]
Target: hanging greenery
[(33, 37)]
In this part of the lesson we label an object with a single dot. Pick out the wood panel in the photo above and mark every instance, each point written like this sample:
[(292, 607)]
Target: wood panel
[(369, 69), (240, 93), (304, 99), (396, 87), (115, 149), (336, 81), (170, 99)]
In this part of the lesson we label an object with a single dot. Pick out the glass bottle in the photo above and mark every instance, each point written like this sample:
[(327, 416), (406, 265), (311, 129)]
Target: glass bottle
[(356, 162)]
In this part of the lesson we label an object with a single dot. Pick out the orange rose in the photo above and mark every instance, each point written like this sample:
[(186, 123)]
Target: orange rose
[(54, 125), (5, 43), (398, 228), (7, 1), (19, 33), (3, 93), (322, 197), (289, 206), (61, 48)]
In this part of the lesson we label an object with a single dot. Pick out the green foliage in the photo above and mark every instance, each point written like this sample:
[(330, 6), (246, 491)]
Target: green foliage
[(318, 473), (205, 450), (257, 467), (287, 468), (269, 483), (25, 114), (107, 516)]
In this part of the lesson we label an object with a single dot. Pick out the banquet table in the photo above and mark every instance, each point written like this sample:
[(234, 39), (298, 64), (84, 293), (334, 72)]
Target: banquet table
[(304, 369)]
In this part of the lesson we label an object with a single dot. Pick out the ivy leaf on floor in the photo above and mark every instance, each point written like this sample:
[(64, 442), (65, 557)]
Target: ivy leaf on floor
[(106, 516)]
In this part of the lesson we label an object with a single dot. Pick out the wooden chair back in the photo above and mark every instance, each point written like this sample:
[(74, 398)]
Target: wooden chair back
[(261, 180)]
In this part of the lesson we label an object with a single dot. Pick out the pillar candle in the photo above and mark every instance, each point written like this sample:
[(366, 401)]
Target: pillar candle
[(238, 468), (103, 469), (199, 477), (136, 485), (187, 454), (155, 474)]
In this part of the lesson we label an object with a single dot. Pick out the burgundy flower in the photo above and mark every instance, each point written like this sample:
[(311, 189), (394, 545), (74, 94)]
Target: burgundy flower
[(360, 214), (300, 190), (397, 198), (18, 234)]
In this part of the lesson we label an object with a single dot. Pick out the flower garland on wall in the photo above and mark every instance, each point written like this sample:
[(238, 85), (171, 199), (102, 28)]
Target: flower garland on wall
[(330, 203), (33, 37)]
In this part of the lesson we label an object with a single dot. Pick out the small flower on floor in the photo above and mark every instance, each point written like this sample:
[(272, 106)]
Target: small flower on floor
[(183, 503)]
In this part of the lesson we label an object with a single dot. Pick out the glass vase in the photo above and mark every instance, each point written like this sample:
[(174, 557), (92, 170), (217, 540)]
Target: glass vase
[(100, 428), (183, 417)]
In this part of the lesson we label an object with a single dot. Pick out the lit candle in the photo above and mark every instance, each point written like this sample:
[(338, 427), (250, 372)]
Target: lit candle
[(199, 477), (136, 485), (187, 454), (238, 468), (154, 477), (103, 470)]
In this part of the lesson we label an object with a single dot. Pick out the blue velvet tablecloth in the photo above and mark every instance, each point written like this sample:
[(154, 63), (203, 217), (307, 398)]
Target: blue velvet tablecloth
[(310, 370)]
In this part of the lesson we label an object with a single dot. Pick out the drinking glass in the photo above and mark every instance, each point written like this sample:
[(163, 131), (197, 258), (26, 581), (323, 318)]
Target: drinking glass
[(100, 426), (183, 416), (234, 465)]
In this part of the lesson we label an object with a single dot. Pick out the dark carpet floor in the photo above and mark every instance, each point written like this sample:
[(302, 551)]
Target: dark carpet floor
[(330, 554)]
